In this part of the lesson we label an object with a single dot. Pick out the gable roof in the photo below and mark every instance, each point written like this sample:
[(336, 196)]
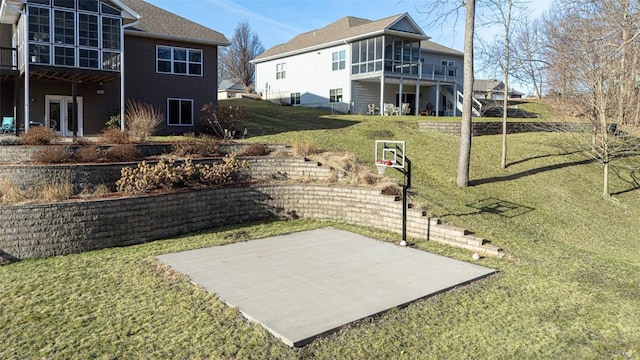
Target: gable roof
[(346, 29), (159, 23), (487, 85), (437, 48), (230, 85)]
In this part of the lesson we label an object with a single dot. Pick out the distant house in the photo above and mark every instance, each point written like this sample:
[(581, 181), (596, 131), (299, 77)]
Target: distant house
[(354, 65), (229, 89), (492, 90), (93, 55)]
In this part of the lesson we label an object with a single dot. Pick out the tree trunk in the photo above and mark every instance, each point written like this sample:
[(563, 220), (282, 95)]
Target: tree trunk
[(605, 180), (465, 132)]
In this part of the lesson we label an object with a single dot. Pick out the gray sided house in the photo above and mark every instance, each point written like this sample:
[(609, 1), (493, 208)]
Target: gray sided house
[(71, 64), (364, 66)]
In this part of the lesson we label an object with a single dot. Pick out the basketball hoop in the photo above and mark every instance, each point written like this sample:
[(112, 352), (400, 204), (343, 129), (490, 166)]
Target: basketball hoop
[(382, 166)]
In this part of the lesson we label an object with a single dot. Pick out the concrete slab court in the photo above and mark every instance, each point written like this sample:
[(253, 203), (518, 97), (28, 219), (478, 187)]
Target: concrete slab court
[(303, 285)]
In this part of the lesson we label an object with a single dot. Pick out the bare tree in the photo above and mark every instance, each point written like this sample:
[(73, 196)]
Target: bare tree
[(497, 54), (245, 46), (595, 61), (528, 53)]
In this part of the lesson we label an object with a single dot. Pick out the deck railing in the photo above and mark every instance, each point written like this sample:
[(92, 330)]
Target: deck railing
[(8, 58)]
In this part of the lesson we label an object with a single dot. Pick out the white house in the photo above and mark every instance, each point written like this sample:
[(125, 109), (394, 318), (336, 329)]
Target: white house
[(355, 63)]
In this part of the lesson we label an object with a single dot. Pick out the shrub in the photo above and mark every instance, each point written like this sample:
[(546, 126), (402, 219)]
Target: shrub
[(305, 149), (201, 146), (114, 136), (256, 150), (8, 140), (167, 175), (123, 153), (142, 120), (113, 122), (222, 120), (52, 155), (38, 135), (57, 189), (87, 154)]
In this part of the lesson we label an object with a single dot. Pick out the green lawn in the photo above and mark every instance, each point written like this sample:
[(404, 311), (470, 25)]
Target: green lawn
[(569, 287)]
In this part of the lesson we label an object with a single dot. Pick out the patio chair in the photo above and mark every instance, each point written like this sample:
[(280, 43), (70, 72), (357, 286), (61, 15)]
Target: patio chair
[(371, 109), (389, 109), (8, 126), (405, 109)]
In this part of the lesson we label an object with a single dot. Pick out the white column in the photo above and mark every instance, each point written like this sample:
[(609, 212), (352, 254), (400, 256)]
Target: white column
[(25, 50), (417, 109), (122, 95), (437, 98), (382, 95), (400, 96), (455, 96)]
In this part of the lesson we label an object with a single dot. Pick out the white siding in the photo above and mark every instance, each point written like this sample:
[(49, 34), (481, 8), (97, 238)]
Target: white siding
[(311, 75)]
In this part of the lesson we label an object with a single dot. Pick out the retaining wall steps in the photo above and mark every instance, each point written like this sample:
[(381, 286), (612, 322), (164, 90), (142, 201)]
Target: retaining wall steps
[(26, 230)]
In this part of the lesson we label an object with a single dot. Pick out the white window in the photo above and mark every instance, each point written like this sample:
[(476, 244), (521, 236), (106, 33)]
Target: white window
[(450, 67), (280, 71), (179, 112), (335, 95), (338, 61), (295, 98), (179, 61)]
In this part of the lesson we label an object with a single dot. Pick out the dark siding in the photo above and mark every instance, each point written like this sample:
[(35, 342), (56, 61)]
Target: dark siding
[(96, 108), (6, 32), (143, 84)]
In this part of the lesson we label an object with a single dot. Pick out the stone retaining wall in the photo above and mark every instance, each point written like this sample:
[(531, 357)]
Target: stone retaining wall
[(89, 175), (23, 153), (495, 127), (34, 231)]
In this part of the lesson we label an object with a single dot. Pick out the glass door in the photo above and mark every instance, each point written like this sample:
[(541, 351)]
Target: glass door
[(58, 116)]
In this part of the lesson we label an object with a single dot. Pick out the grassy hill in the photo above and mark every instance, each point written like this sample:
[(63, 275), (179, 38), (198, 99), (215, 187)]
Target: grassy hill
[(569, 288)]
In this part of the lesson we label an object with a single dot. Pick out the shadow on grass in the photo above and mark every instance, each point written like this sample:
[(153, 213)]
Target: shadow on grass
[(541, 157), (503, 208), (529, 172), (634, 182)]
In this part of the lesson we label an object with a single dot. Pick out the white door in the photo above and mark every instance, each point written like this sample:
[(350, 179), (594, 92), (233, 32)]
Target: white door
[(58, 114)]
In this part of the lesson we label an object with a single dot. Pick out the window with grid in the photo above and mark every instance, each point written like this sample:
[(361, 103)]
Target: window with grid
[(280, 71), (335, 95), (338, 61), (450, 67), (295, 98), (179, 61)]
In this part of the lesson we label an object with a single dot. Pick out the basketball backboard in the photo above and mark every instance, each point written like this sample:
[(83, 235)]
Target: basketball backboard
[(390, 153)]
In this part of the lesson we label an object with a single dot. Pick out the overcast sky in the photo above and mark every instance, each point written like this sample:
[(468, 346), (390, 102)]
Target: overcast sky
[(277, 21)]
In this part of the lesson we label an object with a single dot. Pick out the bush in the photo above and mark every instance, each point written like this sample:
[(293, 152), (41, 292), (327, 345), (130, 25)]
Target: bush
[(113, 122), (142, 120), (123, 153), (256, 150), (52, 155), (87, 154), (201, 146), (305, 149), (38, 135), (222, 120), (114, 136), (167, 175)]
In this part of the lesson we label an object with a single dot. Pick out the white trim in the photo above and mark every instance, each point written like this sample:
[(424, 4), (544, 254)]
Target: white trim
[(180, 108), (64, 100), (186, 61)]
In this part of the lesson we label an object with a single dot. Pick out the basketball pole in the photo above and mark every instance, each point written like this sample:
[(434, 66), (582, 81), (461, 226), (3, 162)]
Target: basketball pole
[(407, 184)]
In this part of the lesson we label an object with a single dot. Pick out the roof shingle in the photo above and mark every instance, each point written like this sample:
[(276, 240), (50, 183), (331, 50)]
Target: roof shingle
[(346, 28), (157, 22)]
